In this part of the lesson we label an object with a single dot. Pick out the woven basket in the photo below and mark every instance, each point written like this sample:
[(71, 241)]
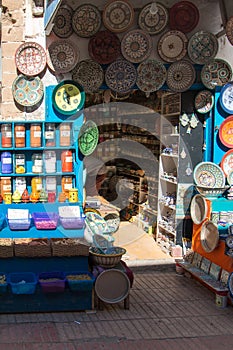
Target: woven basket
[(69, 247), (6, 248), (31, 248)]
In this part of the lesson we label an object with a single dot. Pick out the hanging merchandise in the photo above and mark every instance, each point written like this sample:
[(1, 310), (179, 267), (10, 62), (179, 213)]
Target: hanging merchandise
[(50, 161), (6, 162), (226, 132), (37, 163), (6, 135), (191, 123), (65, 134), (20, 165), (50, 135), (204, 101), (88, 137), (35, 135), (67, 161), (19, 135)]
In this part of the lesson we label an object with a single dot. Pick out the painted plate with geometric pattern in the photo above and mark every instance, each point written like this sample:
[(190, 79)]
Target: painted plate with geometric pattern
[(153, 23), (27, 91), (204, 101), (227, 162), (216, 72), (229, 30), (30, 58), (63, 22), (226, 132), (86, 20), (151, 75), (136, 46), (209, 174), (120, 76), (89, 74), (88, 137), (118, 15), (62, 56), (202, 47), (183, 16), (180, 76), (172, 46)]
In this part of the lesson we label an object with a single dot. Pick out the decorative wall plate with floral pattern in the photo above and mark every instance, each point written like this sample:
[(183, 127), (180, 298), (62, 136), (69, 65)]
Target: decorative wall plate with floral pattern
[(204, 101), (227, 162), (216, 72), (172, 46), (229, 30), (118, 15), (209, 174), (62, 56), (63, 22), (86, 20), (153, 23), (89, 74), (180, 76), (226, 132), (202, 47), (151, 75), (27, 91), (136, 46), (30, 58), (120, 76), (88, 138), (183, 16)]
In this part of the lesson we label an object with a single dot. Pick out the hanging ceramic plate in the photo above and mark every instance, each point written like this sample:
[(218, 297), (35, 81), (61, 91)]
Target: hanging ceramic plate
[(204, 101), (183, 16), (120, 76), (62, 56), (86, 20), (172, 46), (227, 162), (88, 138), (209, 236), (226, 97), (30, 58), (198, 209), (202, 47), (118, 15), (62, 25), (136, 46), (180, 76), (208, 174), (27, 91), (226, 132), (230, 177), (104, 47), (151, 75), (89, 74), (229, 30), (153, 23), (216, 72), (230, 284)]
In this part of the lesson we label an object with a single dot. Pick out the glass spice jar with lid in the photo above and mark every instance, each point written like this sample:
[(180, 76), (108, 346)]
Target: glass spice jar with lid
[(35, 135), (50, 134), (66, 185), (5, 185), (19, 135), (6, 132), (20, 167), (37, 163), (64, 134), (50, 161)]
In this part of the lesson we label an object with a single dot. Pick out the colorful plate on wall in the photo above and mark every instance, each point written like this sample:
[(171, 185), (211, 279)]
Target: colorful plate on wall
[(172, 46), (229, 30), (183, 16), (30, 58), (180, 76), (202, 47), (226, 132), (63, 22), (62, 56), (216, 72), (227, 162), (153, 23), (88, 138), (120, 76), (27, 91), (136, 46), (151, 75), (204, 101), (209, 174), (118, 15), (89, 74), (86, 20)]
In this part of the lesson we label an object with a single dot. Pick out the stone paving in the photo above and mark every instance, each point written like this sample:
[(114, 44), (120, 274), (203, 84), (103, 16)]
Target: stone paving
[(167, 311)]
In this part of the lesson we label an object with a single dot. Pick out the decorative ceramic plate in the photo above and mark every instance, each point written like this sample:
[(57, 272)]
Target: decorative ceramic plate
[(226, 97), (104, 47), (204, 101), (118, 15), (209, 174), (120, 76), (153, 23), (198, 209), (227, 162), (62, 56), (226, 132), (180, 76), (230, 177), (30, 58), (216, 72), (230, 283), (151, 75), (136, 46), (172, 46), (86, 20), (89, 74), (229, 30), (27, 91), (209, 236), (202, 47), (63, 22), (183, 16), (229, 241), (88, 138)]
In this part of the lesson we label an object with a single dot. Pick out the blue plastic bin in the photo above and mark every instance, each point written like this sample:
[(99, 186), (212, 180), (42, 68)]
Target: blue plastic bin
[(22, 282), (3, 283), (80, 284)]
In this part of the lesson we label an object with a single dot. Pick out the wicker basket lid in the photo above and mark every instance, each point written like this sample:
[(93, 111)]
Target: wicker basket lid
[(198, 209), (209, 236)]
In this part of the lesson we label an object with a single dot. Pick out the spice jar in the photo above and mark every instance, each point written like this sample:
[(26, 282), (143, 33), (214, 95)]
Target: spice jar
[(73, 195), (19, 135), (6, 161), (20, 184), (20, 167), (36, 184), (6, 135), (66, 185), (5, 185), (51, 184), (64, 134), (50, 134), (37, 163), (35, 135), (50, 161), (67, 161)]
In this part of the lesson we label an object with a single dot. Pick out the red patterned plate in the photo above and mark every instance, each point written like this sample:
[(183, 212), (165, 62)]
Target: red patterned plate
[(30, 58), (227, 162), (183, 16), (226, 132)]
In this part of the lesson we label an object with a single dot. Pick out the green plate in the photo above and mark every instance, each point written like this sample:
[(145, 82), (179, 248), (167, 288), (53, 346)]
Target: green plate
[(88, 138)]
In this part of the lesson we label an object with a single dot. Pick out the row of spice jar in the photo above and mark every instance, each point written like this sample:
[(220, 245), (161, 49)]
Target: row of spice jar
[(35, 135), (48, 158)]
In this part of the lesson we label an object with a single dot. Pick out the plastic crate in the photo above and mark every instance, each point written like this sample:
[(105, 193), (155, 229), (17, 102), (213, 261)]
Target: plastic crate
[(72, 222), (22, 282), (45, 221), (19, 224), (52, 282), (3, 283), (81, 283)]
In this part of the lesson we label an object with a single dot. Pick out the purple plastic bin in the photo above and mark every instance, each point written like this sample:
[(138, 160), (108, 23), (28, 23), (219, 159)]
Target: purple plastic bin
[(72, 222), (52, 282), (45, 221)]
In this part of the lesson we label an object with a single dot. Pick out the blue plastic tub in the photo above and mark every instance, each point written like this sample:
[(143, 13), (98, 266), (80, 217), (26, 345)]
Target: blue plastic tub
[(22, 282), (3, 283), (80, 281)]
